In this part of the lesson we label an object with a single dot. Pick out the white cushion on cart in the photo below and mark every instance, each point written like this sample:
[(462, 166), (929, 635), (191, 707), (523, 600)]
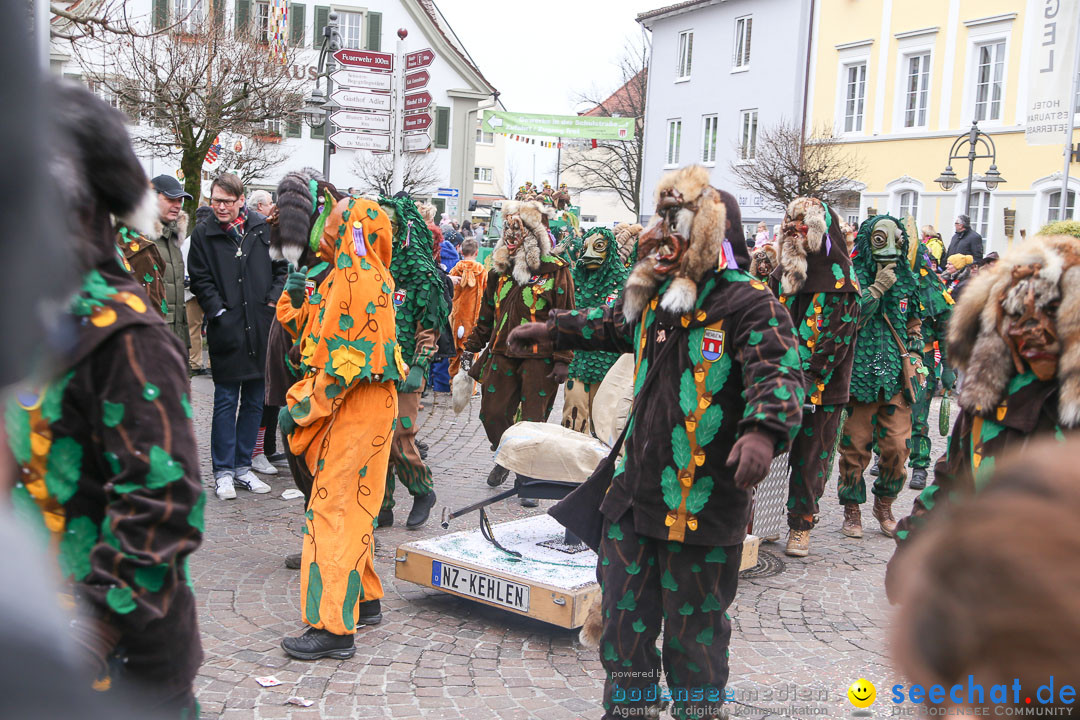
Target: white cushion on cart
[(611, 406), (547, 451)]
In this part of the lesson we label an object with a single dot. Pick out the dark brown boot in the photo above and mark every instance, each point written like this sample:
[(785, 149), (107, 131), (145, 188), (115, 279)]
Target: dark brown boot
[(883, 514), (852, 521)]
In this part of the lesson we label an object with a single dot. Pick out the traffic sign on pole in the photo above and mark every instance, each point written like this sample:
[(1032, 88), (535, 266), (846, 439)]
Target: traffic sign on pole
[(361, 120), (417, 80), (360, 100), (350, 140), (366, 59), (417, 101), (377, 81), (417, 142), (418, 122), (419, 59)]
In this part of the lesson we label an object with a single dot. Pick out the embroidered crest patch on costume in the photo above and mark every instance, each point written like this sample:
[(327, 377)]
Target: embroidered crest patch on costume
[(712, 345), (399, 296), (610, 299), (903, 305)]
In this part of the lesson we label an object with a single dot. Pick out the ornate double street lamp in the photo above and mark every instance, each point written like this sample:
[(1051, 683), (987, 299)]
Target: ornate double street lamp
[(318, 106), (975, 140)]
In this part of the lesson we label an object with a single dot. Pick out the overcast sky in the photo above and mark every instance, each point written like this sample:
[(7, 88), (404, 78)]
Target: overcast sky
[(539, 58)]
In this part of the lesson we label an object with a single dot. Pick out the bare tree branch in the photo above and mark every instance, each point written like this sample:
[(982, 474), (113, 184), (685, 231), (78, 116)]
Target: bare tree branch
[(784, 168), (614, 165), (185, 89), (419, 173), (97, 18)]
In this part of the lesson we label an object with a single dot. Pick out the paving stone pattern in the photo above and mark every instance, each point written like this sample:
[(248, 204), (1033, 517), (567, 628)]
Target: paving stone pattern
[(814, 627)]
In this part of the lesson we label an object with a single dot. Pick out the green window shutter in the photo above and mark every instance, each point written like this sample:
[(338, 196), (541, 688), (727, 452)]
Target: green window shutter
[(374, 31), (319, 133), (217, 12), (292, 127), (161, 14), (243, 14), (322, 17), (296, 24), (442, 127)]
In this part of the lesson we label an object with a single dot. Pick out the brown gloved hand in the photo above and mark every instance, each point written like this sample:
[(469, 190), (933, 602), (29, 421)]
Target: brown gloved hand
[(751, 455), (94, 642), (885, 279), (560, 372), (522, 338)]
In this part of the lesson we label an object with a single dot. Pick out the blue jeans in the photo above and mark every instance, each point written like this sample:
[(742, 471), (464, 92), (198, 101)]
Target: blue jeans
[(233, 434), (440, 376)]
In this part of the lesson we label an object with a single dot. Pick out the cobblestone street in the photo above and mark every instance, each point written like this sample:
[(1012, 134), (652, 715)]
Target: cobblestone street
[(813, 625)]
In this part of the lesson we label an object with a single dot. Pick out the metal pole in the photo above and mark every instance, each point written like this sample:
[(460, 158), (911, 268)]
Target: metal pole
[(397, 137), (329, 33), (558, 163), (41, 30), (973, 138), (1069, 137)]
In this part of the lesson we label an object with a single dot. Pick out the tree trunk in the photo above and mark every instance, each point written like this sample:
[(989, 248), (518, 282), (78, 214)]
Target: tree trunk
[(191, 162)]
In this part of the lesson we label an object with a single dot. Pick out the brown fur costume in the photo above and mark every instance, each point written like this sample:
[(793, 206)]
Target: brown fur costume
[(763, 261), (976, 342), (536, 244), (626, 236), (802, 214)]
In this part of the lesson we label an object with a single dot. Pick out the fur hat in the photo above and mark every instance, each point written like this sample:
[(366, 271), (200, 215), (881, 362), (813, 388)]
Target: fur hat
[(536, 244), (626, 235), (763, 261), (701, 219), (976, 345), (300, 198), (959, 261), (802, 232)]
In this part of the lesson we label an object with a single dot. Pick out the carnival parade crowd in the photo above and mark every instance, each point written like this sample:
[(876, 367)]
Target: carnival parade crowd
[(328, 313)]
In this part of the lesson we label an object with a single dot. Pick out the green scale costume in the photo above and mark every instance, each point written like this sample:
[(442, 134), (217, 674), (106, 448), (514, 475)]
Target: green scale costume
[(877, 412), (936, 304), (422, 310), (599, 276)]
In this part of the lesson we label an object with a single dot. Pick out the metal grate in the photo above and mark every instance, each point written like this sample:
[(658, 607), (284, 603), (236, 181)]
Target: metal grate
[(768, 565), (770, 500)]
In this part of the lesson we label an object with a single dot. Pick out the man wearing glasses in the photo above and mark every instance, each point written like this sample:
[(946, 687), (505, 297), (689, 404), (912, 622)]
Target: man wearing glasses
[(237, 286)]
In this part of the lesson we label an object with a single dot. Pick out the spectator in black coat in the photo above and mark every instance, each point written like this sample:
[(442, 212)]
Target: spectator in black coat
[(965, 241)]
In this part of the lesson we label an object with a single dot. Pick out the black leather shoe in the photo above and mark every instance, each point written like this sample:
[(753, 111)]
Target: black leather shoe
[(497, 476), (529, 502), (315, 644), (293, 561), (918, 479), (369, 613), (876, 470), (422, 448), (386, 517), (421, 509), (277, 458)]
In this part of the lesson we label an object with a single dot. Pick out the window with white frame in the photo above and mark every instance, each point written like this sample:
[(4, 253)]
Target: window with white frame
[(482, 174), (686, 54), (708, 138), (262, 21), (742, 42), (989, 80), (350, 24), (187, 14), (674, 141), (853, 221), (484, 138), (272, 127), (909, 203), (1053, 213), (916, 90), (854, 97), (980, 211), (748, 135)]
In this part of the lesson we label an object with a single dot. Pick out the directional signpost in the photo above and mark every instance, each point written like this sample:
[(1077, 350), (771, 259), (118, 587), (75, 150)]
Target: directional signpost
[(417, 80), (360, 100), (379, 122), (417, 122), (368, 59), (417, 142), (377, 81), (351, 140), (419, 59), (417, 101)]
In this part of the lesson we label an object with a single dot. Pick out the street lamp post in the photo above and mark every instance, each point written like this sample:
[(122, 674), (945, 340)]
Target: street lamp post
[(318, 106), (975, 140)]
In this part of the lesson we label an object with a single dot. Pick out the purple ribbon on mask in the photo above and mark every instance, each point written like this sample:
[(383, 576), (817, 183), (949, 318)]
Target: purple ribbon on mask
[(828, 244), (358, 240), (730, 254)]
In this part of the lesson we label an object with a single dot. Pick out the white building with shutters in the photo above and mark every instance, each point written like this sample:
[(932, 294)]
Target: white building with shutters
[(458, 88), (719, 70)]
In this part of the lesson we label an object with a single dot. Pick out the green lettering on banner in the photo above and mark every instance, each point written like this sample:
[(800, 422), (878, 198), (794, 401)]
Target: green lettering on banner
[(564, 126)]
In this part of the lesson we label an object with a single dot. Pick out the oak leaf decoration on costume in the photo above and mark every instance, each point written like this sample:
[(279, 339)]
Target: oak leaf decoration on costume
[(347, 362)]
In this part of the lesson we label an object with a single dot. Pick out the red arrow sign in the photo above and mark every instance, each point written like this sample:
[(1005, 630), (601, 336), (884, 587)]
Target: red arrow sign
[(365, 59), (416, 80), (419, 121), (419, 59), (417, 101)]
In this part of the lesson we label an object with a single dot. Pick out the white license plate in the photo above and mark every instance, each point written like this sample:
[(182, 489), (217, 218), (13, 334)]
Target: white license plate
[(480, 586)]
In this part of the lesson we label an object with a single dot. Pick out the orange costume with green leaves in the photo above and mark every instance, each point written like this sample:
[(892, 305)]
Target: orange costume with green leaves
[(467, 296), (341, 413)]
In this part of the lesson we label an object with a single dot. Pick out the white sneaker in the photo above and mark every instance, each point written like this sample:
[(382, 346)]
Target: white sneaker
[(251, 482), (260, 464), (225, 489)]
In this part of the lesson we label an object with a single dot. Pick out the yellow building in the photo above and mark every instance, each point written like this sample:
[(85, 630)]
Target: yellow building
[(900, 80)]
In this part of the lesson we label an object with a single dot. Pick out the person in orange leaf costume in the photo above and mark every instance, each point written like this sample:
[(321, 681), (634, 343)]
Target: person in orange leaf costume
[(339, 422), (470, 279)]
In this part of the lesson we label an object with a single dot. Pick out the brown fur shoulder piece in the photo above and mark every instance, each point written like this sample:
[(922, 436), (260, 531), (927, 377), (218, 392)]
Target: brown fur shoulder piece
[(802, 232), (976, 345), (536, 244)]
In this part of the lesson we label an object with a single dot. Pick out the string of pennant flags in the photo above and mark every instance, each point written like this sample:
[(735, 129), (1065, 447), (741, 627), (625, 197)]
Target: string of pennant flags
[(547, 143), (277, 32)]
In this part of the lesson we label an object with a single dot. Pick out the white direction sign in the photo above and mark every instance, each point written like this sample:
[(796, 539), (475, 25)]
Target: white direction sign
[(417, 142), (361, 120), (361, 79), (349, 140), (360, 100)]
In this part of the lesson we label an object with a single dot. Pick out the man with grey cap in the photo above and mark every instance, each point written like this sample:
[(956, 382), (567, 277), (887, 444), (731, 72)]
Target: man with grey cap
[(169, 234), (965, 241)]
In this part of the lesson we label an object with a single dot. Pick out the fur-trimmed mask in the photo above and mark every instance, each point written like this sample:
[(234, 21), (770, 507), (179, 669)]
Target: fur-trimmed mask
[(805, 225), (763, 262), (524, 240), (684, 241), (1023, 314)]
